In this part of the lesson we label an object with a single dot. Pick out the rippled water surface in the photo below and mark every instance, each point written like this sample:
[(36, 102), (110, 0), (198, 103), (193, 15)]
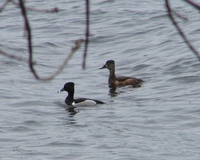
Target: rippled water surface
[(158, 121)]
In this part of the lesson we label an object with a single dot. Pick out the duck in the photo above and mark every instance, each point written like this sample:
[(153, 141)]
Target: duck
[(69, 87), (115, 81)]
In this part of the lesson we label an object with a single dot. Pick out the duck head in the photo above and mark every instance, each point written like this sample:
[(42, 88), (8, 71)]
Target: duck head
[(69, 87), (110, 64)]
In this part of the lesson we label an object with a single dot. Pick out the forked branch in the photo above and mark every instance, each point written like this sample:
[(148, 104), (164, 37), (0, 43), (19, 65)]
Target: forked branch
[(28, 31)]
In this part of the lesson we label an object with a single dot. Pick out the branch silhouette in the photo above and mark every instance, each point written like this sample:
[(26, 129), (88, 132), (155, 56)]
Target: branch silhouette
[(87, 32), (4, 5), (28, 31), (182, 34)]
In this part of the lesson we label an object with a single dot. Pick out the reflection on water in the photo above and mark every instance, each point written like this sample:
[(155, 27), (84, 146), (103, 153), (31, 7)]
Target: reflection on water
[(113, 89), (71, 109)]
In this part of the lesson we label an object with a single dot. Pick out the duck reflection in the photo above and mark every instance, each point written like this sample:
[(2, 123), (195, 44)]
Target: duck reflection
[(72, 110), (113, 89)]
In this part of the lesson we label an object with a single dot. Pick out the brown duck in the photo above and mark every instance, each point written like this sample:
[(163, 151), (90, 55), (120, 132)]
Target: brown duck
[(121, 80)]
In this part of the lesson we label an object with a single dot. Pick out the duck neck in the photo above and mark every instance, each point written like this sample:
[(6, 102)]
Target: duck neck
[(112, 73), (70, 98)]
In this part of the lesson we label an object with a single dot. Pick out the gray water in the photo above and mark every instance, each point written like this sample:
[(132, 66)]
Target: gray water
[(158, 121)]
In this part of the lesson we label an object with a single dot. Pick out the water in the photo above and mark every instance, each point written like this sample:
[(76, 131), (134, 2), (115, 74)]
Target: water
[(160, 120)]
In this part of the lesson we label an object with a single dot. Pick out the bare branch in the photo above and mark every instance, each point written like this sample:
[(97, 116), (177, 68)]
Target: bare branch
[(13, 56), (62, 66), (179, 15), (193, 4), (27, 29), (180, 30), (29, 38), (53, 10), (4, 5), (87, 32)]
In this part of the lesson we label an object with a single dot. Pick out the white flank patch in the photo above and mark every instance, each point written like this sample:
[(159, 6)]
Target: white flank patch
[(85, 103)]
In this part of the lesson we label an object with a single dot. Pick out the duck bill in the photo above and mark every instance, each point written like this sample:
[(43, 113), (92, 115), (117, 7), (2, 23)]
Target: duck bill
[(61, 90), (105, 66)]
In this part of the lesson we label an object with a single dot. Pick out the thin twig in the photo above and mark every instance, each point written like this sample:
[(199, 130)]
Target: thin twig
[(4, 5), (53, 10), (180, 30), (179, 15), (193, 4), (87, 32), (13, 56), (62, 66), (29, 37)]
